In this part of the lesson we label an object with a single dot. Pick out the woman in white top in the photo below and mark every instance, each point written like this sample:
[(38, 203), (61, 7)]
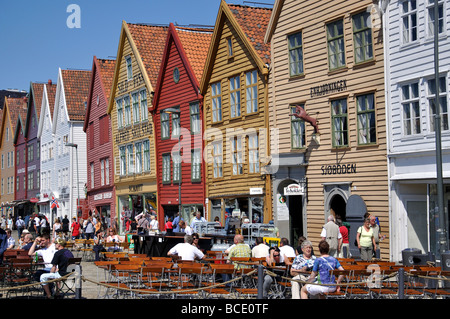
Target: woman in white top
[(57, 225), (113, 238), (153, 223)]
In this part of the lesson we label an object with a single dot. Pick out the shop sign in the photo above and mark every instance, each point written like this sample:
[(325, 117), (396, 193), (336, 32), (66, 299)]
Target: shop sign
[(256, 191), (294, 189), (135, 188), (338, 169), (328, 88)]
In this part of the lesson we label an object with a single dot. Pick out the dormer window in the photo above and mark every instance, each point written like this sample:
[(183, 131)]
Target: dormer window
[(230, 47)]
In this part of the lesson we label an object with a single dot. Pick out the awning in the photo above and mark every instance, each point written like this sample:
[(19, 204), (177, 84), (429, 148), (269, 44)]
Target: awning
[(34, 200), (43, 201)]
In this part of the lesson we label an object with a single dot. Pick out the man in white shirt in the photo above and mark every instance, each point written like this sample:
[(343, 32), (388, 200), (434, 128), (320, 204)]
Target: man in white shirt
[(197, 219), (185, 228), (261, 249), (186, 251), (46, 250), (285, 250)]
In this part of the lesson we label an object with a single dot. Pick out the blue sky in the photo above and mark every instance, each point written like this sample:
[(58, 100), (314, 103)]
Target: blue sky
[(36, 40)]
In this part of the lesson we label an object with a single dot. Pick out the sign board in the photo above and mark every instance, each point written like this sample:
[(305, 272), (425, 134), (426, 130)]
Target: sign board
[(294, 189), (256, 191)]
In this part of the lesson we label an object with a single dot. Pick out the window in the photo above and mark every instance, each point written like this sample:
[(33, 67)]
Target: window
[(253, 153), (126, 101), (236, 149), (217, 159), (195, 117), (17, 184), (102, 172), (146, 146), (176, 158), (411, 109), (17, 158), (92, 175), (30, 180), (136, 108), (431, 92), (166, 162), (362, 38), (216, 100), (176, 129), (123, 160), (339, 122), (295, 54), (251, 85), (230, 47), (129, 68), (235, 96), (196, 160), (38, 179), (298, 139), (409, 20), (119, 113), (165, 125), (431, 19), (106, 161), (367, 130), (130, 158), (144, 109), (31, 153), (336, 45), (138, 147)]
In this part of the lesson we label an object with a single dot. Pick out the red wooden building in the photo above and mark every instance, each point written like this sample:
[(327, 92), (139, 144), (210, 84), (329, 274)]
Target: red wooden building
[(178, 114), (100, 188)]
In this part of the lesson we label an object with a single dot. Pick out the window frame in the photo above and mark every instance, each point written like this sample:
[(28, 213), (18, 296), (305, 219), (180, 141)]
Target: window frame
[(302, 128), (366, 114), (299, 55), (216, 102), (343, 116), (409, 102), (368, 35), (251, 92), (336, 39), (166, 159)]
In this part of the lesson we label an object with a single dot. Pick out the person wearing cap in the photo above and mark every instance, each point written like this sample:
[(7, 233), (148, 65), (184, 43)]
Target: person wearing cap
[(60, 262)]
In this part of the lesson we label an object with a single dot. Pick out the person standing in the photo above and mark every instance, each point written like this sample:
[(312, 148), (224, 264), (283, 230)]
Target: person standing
[(75, 229), (366, 240), (345, 243), (330, 233), (176, 222), (65, 226), (20, 225), (376, 232)]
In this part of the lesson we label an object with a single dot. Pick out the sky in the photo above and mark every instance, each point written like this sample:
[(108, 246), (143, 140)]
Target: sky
[(39, 36)]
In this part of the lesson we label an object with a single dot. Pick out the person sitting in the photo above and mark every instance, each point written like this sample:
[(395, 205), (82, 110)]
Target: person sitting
[(43, 247), (59, 262), (186, 251), (99, 240), (114, 238), (322, 267), (302, 264)]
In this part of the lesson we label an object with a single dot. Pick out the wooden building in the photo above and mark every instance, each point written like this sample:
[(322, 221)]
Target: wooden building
[(328, 67), (139, 56), (100, 191), (178, 113), (234, 85), (10, 114), (45, 137)]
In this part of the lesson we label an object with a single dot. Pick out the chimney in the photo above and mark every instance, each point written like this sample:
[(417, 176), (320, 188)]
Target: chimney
[(50, 82)]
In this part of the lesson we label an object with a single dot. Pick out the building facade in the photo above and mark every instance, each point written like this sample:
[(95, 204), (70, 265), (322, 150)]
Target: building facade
[(97, 126), (138, 60), (178, 113), (327, 101), (234, 86), (411, 105), (45, 137), (68, 146)]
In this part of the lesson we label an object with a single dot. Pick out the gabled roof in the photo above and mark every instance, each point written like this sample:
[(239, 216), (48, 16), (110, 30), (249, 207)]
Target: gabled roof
[(105, 68), (250, 23), (147, 43), (13, 107), (48, 102), (277, 6), (35, 97), (192, 44), (76, 90)]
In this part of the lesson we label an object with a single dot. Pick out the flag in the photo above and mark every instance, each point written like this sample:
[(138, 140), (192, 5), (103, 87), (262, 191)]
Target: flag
[(54, 203)]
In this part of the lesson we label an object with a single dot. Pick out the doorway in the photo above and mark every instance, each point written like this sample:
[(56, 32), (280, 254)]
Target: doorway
[(295, 206)]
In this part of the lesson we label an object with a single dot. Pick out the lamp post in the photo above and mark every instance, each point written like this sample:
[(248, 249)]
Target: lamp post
[(78, 182), (172, 110)]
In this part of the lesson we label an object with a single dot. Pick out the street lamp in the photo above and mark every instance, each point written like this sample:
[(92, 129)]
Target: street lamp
[(78, 181), (173, 110)]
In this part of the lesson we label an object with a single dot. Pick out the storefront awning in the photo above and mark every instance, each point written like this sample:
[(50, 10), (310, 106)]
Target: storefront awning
[(43, 201)]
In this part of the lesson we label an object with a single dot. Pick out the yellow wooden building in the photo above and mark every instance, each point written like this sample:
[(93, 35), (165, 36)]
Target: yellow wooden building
[(234, 86), (139, 56)]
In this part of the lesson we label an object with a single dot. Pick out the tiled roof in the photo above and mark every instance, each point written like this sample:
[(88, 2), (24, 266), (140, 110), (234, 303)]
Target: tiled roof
[(16, 107), (150, 41), (76, 89), (38, 90), (51, 95), (254, 22), (195, 43), (106, 68)]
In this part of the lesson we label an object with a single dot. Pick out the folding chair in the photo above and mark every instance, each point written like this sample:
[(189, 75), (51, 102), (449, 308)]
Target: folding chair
[(224, 289)]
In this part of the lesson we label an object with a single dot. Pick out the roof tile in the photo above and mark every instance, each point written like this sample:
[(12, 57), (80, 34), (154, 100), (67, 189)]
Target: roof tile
[(76, 89)]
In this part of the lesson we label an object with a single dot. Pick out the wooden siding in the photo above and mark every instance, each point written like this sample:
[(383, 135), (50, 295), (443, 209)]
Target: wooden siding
[(21, 167), (32, 140), (122, 182), (180, 95), (99, 147), (370, 179), (7, 146), (222, 69)]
